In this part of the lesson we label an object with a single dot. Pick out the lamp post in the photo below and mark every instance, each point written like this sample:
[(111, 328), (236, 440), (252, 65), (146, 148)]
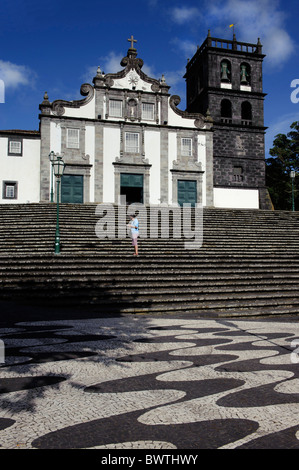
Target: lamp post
[(52, 159), (58, 166), (293, 174)]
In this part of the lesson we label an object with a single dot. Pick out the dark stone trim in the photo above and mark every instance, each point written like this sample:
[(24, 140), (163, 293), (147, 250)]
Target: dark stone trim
[(73, 118), (15, 139), (58, 106), (200, 120), (8, 183), (78, 164), (235, 92), (116, 122), (186, 171), (14, 134), (140, 167), (240, 126), (141, 164)]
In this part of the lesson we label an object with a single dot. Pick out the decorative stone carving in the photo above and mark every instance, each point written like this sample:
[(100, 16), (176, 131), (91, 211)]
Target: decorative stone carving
[(186, 166), (133, 66), (58, 106), (132, 109), (155, 87), (132, 160), (131, 61), (133, 78), (45, 106), (199, 120), (108, 81)]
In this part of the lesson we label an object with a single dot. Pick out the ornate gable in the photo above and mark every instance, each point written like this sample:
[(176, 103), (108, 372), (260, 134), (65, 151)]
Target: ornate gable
[(131, 77)]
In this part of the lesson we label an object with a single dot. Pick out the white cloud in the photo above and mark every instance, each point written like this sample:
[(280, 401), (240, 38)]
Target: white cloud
[(186, 46), (149, 70), (111, 63), (175, 77), (278, 46), (91, 72), (108, 64), (181, 15), (14, 75), (253, 19)]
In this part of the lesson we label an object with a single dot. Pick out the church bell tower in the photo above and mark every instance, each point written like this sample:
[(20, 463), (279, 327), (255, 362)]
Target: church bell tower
[(225, 79)]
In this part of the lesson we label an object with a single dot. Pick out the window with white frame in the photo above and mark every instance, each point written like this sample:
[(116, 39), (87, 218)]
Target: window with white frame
[(148, 111), (187, 147), (15, 147), (72, 138), (132, 142), (115, 108)]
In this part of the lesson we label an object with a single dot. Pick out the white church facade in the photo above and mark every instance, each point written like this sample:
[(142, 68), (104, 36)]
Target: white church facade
[(125, 137)]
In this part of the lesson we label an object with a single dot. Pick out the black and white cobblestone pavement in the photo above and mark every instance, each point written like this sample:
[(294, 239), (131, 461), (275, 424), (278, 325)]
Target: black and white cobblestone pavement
[(150, 382)]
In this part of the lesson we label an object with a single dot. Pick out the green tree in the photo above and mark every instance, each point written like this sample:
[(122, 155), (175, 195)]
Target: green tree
[(285, 158)]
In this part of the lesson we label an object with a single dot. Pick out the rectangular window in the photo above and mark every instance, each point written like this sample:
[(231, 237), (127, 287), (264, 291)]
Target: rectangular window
[(14, 147), (132, 142), (187, 147), (115, 108), (10, 190), (148, 111), (72, 138), (238, 174)]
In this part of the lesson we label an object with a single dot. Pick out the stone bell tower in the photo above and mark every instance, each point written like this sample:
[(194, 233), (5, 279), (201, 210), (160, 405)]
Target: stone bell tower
[(225, 78)]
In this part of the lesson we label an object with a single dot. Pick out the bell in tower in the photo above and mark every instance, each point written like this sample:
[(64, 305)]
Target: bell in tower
[(244, 74), (225, 72)]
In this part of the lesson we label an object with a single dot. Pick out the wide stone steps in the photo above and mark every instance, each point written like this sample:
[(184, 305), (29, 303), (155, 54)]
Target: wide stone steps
[(249, 262), (134, 298), (152, 269), (192, 291), (202, 305)]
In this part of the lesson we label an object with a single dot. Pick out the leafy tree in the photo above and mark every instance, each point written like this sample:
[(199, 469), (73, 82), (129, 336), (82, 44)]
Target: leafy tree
[(285, 158)]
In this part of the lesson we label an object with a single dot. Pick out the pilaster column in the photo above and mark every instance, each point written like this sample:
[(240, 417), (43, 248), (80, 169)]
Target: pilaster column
[(209, 169), (164, 170), (45, 171), (98, 162)]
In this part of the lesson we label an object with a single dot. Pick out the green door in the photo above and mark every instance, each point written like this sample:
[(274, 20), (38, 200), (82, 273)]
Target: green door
[(131, 185), (187, 192), (72, 189), (131, 180)]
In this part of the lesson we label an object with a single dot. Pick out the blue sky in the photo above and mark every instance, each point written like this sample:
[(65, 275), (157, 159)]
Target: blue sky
[(55, 46)]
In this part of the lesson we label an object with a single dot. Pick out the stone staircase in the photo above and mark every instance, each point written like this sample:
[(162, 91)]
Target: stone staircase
[(248, 263)]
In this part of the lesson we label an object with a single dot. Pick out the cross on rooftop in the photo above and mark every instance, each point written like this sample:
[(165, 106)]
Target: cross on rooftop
[(132, 40)]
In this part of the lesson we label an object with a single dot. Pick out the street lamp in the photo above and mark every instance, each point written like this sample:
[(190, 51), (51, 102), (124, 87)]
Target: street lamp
[(58, 167), (52, 157), (293, 174)]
